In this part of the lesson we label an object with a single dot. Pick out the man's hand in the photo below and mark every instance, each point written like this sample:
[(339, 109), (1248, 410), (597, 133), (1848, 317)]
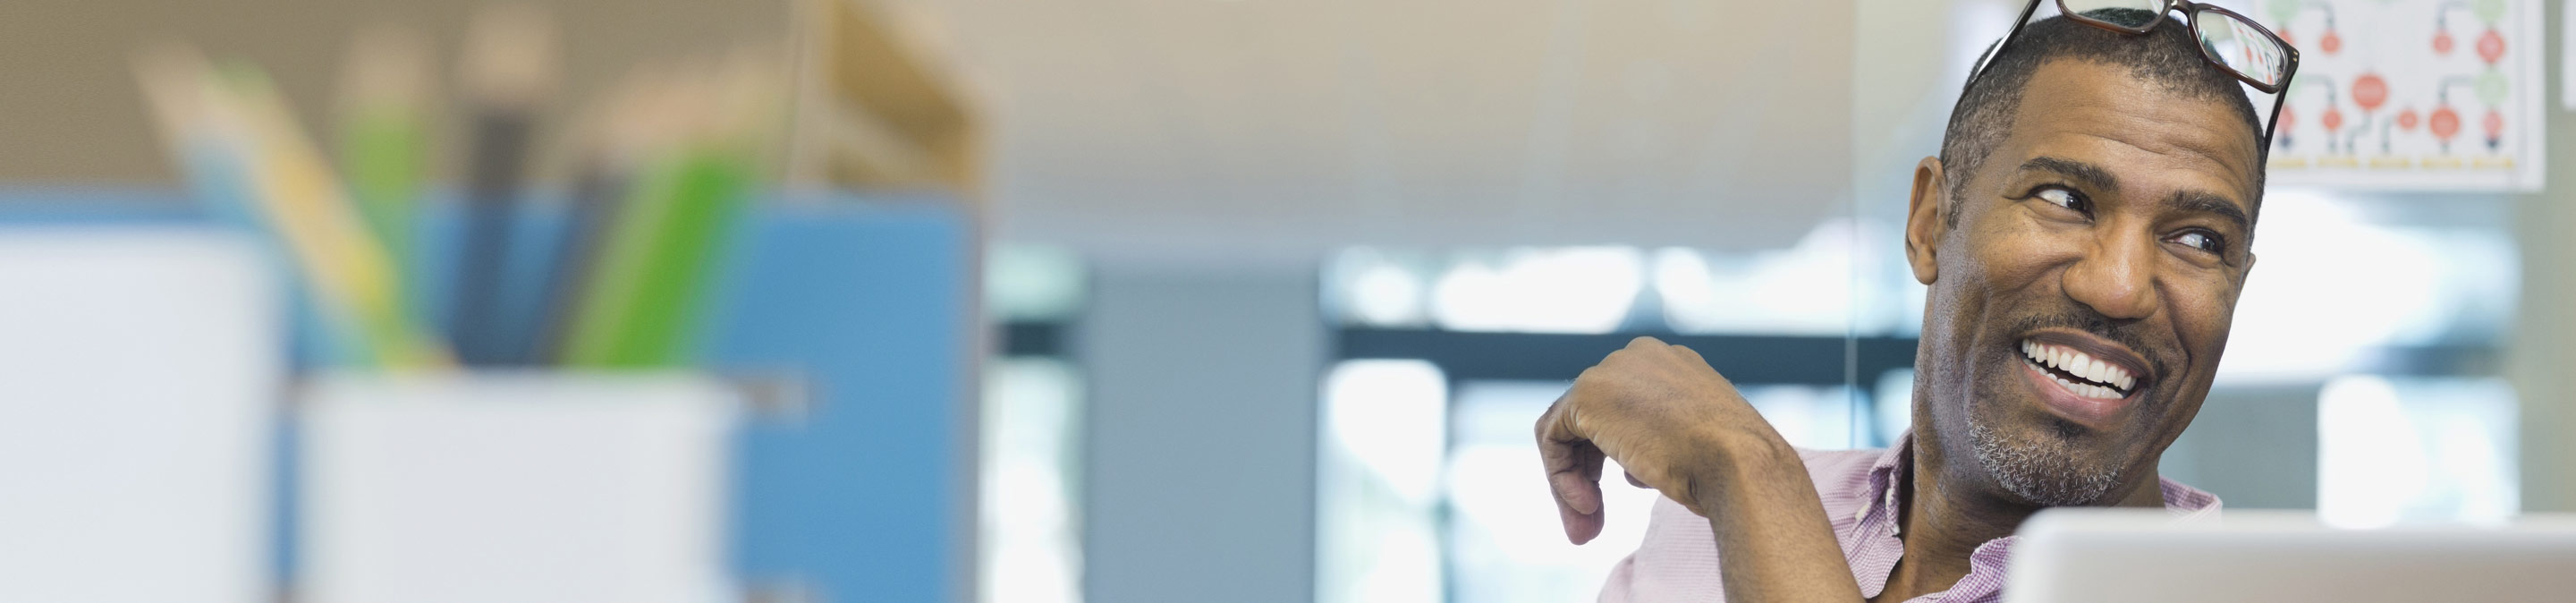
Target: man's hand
[(1682, 429), (1666, 416)]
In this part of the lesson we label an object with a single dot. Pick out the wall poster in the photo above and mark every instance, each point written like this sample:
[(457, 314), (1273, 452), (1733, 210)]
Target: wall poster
[(2415, 95)]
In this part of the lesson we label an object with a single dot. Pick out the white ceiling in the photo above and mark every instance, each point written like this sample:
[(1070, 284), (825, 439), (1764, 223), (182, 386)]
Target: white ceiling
[(1246, 129)]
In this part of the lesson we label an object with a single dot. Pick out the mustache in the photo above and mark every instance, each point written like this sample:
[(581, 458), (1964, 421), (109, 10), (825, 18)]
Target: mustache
[(2124, 333)]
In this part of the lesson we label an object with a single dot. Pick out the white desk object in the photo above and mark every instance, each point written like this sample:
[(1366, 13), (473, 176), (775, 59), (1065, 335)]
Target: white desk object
[(2121, 556), (140, 370), (503, 488)]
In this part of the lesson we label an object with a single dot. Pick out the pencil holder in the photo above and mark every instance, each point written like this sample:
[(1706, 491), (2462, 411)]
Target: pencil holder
[(517, 486), (861, 488)]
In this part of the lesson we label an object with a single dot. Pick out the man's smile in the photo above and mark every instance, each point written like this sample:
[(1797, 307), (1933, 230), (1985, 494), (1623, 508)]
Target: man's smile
[(2081, 376)]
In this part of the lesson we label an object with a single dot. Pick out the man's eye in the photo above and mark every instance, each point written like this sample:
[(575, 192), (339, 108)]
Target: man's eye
[(2062, 197), (2201, 240)]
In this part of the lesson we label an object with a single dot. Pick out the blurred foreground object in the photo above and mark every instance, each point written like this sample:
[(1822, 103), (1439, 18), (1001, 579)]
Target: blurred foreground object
[(2121, 556), (254, 167), (138, 387), (507, 72), (571, 476), (575, 488), (645, 250)]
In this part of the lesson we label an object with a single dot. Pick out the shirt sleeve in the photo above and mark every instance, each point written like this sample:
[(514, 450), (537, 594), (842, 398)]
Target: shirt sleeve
[(1677, 562)]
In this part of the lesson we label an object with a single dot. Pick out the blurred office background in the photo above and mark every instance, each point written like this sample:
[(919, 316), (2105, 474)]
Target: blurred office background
[(1257, 300)]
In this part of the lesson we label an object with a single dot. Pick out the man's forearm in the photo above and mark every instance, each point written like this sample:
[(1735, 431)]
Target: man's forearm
[(1773, 540)]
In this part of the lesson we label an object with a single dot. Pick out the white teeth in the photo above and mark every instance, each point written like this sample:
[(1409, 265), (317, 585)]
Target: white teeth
[(2083, 366)]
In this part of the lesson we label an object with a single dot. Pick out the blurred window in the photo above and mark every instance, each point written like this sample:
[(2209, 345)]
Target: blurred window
[(2398, 449), (1378, 481), (1030, 512), (1502, 531)]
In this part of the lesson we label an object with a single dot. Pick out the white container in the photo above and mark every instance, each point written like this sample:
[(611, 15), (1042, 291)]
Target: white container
[(140, 370), (499, 488)]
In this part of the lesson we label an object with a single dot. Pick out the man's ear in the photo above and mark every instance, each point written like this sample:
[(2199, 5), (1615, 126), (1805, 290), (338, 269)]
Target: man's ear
[(1926, 219)]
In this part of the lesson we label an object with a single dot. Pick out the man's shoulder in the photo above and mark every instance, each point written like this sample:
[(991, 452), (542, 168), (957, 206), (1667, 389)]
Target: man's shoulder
[(1864, 456), (1838, 464)]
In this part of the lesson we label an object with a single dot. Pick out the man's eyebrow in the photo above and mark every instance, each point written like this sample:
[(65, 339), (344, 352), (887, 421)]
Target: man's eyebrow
[(2092, 175), (2184, 201), (2209, 203)]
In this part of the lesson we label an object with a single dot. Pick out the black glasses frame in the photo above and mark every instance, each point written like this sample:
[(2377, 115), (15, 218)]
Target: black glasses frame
[(2190, 9)]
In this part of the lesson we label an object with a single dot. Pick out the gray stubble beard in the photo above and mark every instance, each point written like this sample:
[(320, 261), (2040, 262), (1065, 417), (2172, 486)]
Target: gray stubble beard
[(2041, 471)]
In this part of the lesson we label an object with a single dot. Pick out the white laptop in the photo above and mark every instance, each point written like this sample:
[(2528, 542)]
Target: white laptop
[(2113, 556)]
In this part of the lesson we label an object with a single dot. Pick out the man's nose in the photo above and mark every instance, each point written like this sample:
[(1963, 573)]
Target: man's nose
[(2117, 277)]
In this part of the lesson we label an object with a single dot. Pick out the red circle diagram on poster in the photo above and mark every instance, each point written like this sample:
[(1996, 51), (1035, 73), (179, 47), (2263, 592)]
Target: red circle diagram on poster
[(2369, 91)]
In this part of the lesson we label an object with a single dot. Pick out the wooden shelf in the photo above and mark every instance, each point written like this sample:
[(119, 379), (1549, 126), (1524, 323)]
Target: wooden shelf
[(876, 106)]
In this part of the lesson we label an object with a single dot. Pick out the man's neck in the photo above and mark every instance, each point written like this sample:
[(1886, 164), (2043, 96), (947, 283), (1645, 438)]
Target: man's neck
[(1941, 526)]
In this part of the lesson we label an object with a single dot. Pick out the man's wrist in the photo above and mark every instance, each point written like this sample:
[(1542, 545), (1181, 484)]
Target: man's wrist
[(1742, 466)]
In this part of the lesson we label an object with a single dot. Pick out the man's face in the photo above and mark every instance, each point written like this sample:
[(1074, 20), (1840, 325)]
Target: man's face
[(2079, 307)]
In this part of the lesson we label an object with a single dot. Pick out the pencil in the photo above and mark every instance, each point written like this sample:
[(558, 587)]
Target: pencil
[(175, 88), (611, 154), (650, 287), (178, 84), (507, 67), (384, 138), (304, 205)]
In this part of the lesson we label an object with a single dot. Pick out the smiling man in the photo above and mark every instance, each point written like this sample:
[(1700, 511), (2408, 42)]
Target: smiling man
[(2084, 234)]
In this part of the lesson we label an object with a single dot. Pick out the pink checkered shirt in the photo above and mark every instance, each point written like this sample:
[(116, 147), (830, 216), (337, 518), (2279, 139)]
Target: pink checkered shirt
[(1678, 560)]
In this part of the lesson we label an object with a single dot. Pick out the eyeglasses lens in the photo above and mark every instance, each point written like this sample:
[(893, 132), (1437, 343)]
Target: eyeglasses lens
[(2241, 47)]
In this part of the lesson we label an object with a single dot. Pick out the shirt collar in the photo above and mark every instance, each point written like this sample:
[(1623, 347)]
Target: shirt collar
[(1873, 548)]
